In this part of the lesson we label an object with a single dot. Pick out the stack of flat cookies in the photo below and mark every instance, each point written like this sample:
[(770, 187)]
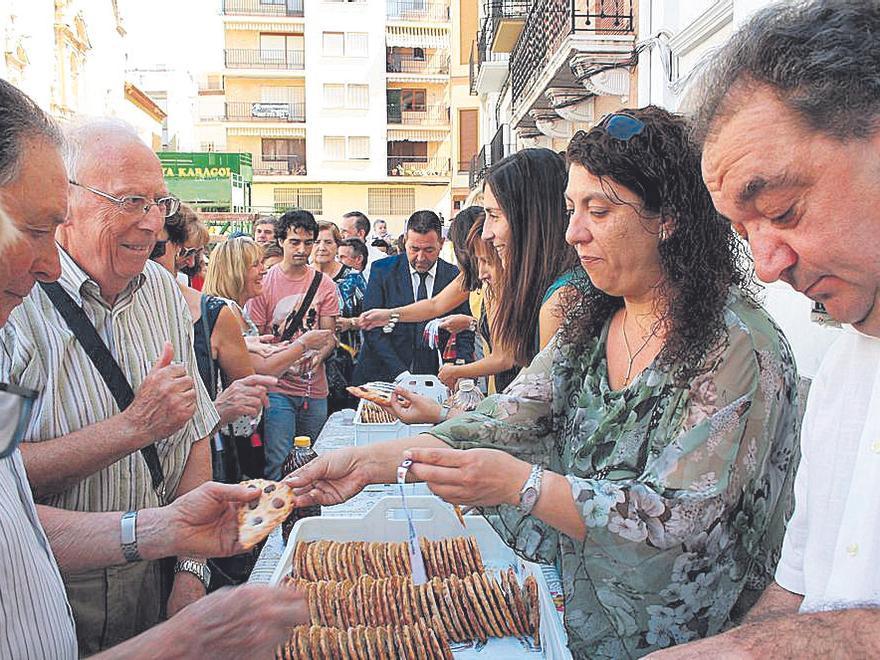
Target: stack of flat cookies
[(334, 560), (401, 642)]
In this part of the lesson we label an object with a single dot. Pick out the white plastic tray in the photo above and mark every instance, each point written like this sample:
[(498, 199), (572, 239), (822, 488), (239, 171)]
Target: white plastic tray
[(424, 384), (434, 519)]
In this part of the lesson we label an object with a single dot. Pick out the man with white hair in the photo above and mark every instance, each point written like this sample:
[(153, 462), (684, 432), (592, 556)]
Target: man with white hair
[(35, 541), (120, 425)]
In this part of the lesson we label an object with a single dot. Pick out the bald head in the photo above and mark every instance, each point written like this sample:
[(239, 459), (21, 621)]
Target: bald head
[(106, 159)]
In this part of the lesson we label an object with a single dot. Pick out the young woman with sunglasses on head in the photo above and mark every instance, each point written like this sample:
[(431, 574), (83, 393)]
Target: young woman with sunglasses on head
[(649, 451)]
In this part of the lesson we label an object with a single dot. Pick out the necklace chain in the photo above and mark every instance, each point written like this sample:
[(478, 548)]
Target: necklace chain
[(629, 354)]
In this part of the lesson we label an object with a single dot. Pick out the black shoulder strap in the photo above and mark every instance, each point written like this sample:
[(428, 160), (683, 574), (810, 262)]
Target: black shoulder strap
[(107, 366), (294, 321)]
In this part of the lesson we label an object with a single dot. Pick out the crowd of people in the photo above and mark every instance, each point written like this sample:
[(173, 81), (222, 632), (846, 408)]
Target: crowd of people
[(642, 431)]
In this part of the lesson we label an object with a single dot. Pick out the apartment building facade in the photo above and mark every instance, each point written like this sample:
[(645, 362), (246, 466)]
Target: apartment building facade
[(342, 105), (544, 69)]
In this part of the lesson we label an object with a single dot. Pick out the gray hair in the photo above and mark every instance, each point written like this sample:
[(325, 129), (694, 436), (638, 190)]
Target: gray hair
[(820, 57), (20, 119), (82, 139)]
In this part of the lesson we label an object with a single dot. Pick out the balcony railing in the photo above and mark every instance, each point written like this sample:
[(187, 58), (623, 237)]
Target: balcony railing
[(263, 8), (549, 23), (418, 10), (477, 169), (257, 111), (434, 63), (408, 166), (280, 165), (473, 69), (497, 147), (428, 114), (244, 58), (495, 11)]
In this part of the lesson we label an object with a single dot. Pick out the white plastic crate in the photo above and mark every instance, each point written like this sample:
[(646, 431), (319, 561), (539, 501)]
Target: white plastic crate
[(434, 519), (367, 434)]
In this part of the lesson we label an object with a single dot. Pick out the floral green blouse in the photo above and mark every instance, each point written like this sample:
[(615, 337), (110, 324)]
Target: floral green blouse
[(685, 492)]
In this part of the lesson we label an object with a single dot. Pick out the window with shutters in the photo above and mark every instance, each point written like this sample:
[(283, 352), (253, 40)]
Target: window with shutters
[(359, 147), (310, 199), (358, 97), (334, 147), (334, 95), (467, 137), (391, 201), (355, 44), (334, 44)]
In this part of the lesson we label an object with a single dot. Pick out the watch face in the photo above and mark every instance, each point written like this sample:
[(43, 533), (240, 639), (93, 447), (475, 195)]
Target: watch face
[(529, 497)]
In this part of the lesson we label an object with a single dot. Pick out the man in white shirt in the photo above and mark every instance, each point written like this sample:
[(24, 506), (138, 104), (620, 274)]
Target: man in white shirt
[(790, 127), (355, 224), (37, 543)]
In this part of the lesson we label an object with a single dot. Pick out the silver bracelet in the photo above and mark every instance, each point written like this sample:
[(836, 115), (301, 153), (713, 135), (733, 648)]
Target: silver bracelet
[(444, 412)]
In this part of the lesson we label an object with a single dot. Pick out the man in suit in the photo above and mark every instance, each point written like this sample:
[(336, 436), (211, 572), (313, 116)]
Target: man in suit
[(418, 274)]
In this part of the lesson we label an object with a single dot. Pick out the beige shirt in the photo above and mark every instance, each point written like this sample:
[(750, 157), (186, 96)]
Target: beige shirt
[(46, 357)]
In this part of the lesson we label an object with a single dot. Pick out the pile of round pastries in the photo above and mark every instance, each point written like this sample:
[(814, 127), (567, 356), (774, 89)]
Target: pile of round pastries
[(363, 603)]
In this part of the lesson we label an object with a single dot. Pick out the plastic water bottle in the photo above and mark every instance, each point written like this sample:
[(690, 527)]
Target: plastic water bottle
[(301, 454), (467, 395)]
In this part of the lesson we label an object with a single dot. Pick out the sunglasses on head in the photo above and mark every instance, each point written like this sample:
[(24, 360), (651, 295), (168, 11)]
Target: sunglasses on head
[(621, 126), (186, 253)]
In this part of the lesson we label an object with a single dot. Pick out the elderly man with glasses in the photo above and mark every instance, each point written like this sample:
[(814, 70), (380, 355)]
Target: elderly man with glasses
[(119, 422)]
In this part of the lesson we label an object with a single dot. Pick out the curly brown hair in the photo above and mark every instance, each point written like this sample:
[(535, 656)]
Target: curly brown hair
[(702, 258)]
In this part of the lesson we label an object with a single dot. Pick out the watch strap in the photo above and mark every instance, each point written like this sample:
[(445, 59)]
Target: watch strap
[(128, 536), (536, 476), (198, 568)]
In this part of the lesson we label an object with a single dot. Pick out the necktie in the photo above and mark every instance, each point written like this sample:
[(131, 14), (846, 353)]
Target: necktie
[(423, 286)]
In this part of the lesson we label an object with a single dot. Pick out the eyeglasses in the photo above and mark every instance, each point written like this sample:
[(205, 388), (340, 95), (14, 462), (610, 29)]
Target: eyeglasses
[(16, 404), (135, 203), (621, 126), (186, 253), (158, 250)]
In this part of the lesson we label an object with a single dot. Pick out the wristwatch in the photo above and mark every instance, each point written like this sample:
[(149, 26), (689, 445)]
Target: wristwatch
[(128, 536), (444, 412), (198, 568), (531, 490)]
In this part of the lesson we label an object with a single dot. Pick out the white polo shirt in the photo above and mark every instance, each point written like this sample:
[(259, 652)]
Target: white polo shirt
[(831, 551)]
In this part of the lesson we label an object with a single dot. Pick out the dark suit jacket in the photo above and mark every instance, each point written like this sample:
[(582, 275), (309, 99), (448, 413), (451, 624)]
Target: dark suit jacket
[(383, 356)]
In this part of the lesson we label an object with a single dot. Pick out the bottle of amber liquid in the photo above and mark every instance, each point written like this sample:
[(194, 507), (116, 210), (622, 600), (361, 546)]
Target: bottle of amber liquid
[(301, 454)]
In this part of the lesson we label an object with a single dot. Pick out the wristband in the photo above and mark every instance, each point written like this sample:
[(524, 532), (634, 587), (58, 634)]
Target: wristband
[(128, 525)]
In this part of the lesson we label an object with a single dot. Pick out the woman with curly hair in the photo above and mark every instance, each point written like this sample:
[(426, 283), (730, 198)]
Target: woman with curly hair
[(649, 451)]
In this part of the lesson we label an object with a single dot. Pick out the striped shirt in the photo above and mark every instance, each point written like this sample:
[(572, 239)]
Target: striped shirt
[(47, 357), (35, 619)]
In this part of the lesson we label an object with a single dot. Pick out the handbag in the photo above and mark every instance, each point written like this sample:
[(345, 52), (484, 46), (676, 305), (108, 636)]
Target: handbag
[(107, 366), (339, 367)]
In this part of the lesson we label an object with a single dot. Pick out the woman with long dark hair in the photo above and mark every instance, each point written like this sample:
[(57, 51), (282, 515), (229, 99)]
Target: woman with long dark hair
[(525, 222), (649, 451)]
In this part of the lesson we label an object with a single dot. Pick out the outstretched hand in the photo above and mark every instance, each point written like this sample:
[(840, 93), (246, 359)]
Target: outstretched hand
[(204, 521), (473, 477), (374, 318), (330, 479), (412, 408)]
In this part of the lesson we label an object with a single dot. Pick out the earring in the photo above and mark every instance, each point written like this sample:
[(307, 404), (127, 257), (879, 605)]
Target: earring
[(662, 233)]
